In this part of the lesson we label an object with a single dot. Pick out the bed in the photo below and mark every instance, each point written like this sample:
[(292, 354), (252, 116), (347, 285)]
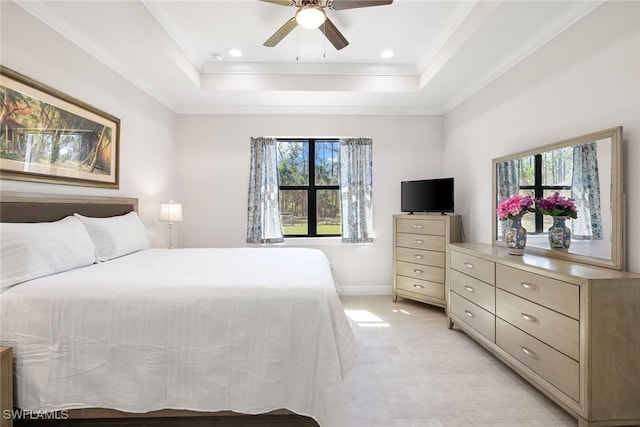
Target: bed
[(206, 331)]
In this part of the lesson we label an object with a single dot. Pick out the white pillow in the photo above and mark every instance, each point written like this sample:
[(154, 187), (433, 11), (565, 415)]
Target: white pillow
[(32, 250), (117, 235)]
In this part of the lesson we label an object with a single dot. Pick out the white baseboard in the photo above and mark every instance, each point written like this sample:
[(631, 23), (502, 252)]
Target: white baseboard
[(365, 290)]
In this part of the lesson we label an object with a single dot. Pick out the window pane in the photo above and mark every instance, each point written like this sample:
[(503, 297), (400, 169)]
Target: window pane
[(293, 212), (328, 208), (327, 163), (557, 167), (527, 171), (293, 162)]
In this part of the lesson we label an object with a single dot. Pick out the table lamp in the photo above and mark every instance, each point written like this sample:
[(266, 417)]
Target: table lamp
[(170, 212)]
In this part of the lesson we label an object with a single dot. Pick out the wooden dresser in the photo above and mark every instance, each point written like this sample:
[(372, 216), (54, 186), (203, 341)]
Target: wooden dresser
[(570, 329), (420, 244), (6, 387)]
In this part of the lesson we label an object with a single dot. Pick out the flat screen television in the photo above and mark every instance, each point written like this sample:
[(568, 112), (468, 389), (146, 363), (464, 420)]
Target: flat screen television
[(427, 195)]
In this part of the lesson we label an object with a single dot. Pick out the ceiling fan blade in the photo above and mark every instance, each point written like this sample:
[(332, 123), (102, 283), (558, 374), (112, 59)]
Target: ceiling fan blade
[(332, 33), (353, 4), (280, 2), (281, 33)]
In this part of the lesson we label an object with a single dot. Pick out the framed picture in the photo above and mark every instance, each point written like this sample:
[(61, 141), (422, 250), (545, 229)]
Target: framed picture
[(48, 136)]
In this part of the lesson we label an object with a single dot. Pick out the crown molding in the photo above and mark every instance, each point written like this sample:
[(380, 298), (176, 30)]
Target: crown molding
[(274, 68), (306, 109)]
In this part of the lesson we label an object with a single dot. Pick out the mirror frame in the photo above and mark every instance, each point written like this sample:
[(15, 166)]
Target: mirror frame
[(617, 260)]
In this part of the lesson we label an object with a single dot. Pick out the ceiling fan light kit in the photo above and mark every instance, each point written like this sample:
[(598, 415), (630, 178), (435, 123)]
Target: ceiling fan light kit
[(311, 15)]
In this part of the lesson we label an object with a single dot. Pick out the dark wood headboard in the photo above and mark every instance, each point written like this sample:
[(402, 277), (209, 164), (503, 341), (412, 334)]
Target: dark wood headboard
[(31, 207)]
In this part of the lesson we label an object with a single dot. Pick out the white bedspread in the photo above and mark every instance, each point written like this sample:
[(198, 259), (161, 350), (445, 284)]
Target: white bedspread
[(247, 329)]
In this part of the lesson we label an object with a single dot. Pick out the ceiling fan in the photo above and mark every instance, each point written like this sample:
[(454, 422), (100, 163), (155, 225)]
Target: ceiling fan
[(311, 15)]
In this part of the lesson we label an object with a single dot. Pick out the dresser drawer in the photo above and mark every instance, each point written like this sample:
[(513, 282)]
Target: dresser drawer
[(421, 272), (478, 268), (422, 287), (555, 329), (476, 317), (555, 367), (420, 241), (554, 294), (474, 290), (421, 226), (420, 256)]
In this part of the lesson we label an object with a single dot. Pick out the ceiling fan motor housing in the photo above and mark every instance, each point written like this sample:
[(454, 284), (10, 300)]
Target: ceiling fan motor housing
[(319, 3)]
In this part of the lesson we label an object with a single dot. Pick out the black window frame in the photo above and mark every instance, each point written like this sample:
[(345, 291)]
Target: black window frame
[(538, 190), (312, 189)]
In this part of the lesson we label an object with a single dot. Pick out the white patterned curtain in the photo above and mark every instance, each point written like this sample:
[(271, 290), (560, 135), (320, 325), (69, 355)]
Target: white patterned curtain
[(263, 213), (356, 190), (508, 184), (585, 191)]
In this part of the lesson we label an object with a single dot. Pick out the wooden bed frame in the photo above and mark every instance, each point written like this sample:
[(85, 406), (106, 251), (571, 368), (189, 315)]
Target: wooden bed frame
[(31, 207)]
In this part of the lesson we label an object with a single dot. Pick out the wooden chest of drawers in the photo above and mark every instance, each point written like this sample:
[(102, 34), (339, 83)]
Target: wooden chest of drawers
[(6, 386), (419, 255), (571, 330)]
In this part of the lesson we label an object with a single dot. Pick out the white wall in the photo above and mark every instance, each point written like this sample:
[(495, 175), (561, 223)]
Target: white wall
[(213, 161), (586, 79), (147, 139)]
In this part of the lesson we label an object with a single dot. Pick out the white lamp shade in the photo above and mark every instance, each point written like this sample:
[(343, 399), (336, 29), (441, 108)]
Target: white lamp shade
[(310, 17), (171, 212)]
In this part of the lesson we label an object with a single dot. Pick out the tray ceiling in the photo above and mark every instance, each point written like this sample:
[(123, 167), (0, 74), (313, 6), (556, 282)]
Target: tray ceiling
[(444, 51)]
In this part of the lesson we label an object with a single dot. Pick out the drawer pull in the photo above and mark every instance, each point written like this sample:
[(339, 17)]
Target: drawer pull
[(418, 226), (418, 256), (418, 271), (418, 241), (418, 286), (529, 286), (469, 288), (529, 317), (529, 353), (470, 314), (469, 265)]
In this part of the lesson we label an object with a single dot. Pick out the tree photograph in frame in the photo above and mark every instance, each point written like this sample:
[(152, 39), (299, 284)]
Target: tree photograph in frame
[(48, 136)]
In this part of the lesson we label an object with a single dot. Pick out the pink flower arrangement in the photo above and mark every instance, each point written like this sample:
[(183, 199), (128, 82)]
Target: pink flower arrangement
[(515, 206), (557, 205)]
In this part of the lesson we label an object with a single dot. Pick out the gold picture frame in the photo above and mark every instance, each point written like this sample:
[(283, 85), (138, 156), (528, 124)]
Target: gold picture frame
[(48, 136)]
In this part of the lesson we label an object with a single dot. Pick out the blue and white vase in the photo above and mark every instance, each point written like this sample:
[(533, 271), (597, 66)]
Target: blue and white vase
[(559, 234), (516, 236)]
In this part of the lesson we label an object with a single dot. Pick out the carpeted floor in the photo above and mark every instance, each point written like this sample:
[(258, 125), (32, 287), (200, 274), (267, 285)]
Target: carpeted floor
[(412, 371)]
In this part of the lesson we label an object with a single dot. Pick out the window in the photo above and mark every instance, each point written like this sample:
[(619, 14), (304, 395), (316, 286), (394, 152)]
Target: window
[(309, 187), (540, 176)]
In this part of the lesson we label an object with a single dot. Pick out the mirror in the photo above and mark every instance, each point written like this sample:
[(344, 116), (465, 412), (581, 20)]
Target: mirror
[(587, 169)]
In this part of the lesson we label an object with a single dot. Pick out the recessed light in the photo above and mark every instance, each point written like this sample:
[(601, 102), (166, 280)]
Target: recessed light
[(236, 53), (387, 54)]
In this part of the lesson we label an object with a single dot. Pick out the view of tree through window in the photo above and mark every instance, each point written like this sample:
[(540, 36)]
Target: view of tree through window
[(309, 206), (542, 175)]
